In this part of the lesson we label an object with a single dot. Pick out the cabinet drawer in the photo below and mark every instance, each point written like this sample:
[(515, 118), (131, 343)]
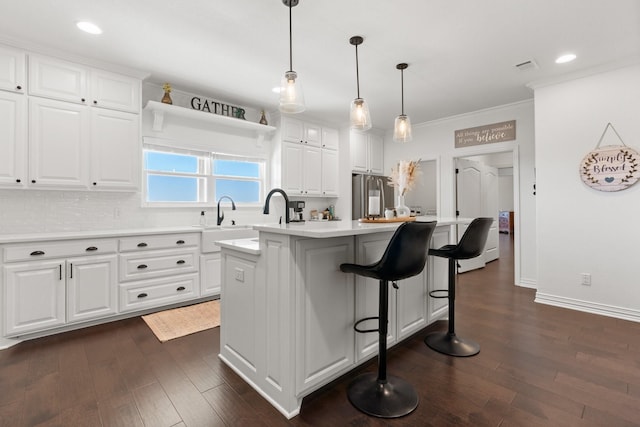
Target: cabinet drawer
[(47, 250), (142, 265), (157, 292), (141, 243)]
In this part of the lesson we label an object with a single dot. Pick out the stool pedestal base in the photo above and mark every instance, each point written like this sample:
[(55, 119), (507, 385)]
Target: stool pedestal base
[(450, 344), (391, 399)]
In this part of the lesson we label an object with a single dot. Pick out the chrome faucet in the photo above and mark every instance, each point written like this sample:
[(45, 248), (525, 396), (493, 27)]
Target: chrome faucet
[(286, 204), (233, 208)]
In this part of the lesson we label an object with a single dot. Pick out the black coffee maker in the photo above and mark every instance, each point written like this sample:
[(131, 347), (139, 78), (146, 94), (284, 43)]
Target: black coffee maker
[(297, 206)]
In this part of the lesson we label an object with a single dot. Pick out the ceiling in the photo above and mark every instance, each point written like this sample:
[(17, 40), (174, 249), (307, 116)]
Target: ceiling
[(461, 53)]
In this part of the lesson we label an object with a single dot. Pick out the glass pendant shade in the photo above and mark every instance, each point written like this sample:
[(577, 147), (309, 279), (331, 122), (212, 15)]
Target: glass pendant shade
[(359, 117), (402, 129), (291, 95)]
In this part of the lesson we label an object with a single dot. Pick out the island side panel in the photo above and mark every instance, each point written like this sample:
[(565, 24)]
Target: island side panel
[(438, 273)]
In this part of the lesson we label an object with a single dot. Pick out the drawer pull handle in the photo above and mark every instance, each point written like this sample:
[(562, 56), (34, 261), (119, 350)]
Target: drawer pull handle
[(91, 248), (142, 245), (37, 253), (180, 242), (142, 266), (142, 295), (180, 261), (180, 288)]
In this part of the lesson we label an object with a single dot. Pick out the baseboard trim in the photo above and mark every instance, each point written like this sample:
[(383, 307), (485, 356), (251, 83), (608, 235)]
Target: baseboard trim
[(588, 307), (528, 283)]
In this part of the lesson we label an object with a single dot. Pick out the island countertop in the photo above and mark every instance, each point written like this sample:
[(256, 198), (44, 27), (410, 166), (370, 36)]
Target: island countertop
[(328, 229)]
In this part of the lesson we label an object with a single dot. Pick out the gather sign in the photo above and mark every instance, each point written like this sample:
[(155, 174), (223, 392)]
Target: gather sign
[(610, 168)]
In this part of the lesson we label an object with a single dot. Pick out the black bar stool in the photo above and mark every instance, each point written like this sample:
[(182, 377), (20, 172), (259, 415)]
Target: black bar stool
[(406, 254), (471, 245)]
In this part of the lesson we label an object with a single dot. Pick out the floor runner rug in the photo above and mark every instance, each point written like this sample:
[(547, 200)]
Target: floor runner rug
[(178, 322)]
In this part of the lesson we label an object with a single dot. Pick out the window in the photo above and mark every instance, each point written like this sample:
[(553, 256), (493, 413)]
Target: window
[(191, 178)]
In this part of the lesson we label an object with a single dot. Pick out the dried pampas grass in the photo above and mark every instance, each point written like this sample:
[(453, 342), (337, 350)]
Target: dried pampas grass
[(405, 175)]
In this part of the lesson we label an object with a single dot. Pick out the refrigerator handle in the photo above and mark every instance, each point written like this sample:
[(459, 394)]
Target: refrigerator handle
[(381, 186)]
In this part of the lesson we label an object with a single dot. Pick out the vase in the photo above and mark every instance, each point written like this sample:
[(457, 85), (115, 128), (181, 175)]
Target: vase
[(402, 210), (166, 99), (263, 119)]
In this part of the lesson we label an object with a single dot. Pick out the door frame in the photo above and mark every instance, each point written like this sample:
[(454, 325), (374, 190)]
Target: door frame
[(484, 150)]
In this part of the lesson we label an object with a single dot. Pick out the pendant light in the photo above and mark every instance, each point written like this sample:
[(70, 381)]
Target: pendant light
[(402, 127), (291, 96), (359, 117)]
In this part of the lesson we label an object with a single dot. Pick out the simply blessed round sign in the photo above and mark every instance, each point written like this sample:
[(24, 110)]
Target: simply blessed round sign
[(610, 168)]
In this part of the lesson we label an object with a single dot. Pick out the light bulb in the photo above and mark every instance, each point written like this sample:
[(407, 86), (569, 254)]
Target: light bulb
[(359, 117)]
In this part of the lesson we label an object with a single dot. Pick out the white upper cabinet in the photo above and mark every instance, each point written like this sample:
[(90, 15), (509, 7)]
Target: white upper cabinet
[(13, 140), (330, 163), (58, 134), (53, 78), (115, 91), (330, 139), (366, 153), (297, 131), (12, 69)]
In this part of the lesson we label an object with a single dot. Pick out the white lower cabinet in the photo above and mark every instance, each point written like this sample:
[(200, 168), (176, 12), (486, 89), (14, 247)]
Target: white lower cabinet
[(438, 271), (34, 296), (91, 289), (210, 274), (325, 315), (150, 293)]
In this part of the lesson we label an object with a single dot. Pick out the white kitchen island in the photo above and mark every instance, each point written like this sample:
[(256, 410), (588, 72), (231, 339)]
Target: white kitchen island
[(287, 311)]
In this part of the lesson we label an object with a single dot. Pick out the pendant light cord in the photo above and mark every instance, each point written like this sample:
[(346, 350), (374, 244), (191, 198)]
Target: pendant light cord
[(290, 40), (402, 89), (357, 73)]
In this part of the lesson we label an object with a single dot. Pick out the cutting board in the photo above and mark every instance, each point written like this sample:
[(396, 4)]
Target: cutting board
[(384, 220)]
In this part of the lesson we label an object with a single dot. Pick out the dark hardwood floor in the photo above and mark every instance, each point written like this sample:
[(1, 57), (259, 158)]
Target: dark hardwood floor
[(538, 366)]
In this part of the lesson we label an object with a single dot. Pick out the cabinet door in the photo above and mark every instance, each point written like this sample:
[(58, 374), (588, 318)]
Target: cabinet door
[(330, 139), (376, 154), (210, 274), (53, 78), (58, 135), (411, 304), (91, 287), (13, 140), (34, 296), (292, 130), (358, 148), (115, 150), (312, 170), (312, 135), (292, 168), (115, 91), (325, 314), (12, 69), (370, 248), (330, 163)]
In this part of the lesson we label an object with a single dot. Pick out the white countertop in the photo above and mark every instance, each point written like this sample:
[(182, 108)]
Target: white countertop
[(250, 246), (327, 229)]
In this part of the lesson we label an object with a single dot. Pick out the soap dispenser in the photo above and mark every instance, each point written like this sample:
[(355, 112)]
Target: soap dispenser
[(203, 219)]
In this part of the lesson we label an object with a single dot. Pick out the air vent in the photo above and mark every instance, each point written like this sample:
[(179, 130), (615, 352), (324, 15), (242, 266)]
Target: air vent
[(527, 65)]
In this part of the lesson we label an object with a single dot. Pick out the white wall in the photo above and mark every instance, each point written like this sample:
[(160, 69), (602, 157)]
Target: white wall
[(435, 140), (581, 230), (505, 189)]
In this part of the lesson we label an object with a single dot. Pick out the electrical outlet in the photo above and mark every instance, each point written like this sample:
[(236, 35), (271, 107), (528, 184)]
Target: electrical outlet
[(239, 274), (586, 279)]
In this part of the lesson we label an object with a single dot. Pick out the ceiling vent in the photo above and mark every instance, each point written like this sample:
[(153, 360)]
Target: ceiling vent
[(527, 65)]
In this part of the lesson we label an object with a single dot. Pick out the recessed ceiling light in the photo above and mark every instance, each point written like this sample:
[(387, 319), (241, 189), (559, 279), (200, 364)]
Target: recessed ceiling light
[(89, 27), (565, 58)]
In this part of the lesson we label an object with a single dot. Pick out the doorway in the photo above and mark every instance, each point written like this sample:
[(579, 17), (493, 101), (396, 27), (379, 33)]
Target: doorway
[(485, 185)]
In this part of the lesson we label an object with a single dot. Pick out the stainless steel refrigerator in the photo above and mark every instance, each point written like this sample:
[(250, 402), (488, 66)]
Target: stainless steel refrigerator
[(362, 202)]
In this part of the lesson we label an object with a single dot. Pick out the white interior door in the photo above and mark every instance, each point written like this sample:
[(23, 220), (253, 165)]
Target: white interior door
[(477, 196)]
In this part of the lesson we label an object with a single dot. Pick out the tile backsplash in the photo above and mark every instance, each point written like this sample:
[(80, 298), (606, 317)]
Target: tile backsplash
[(37, 211)]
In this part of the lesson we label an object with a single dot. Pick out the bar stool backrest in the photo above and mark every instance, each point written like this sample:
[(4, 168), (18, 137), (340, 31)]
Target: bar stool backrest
[(473, 240), (407, 251)]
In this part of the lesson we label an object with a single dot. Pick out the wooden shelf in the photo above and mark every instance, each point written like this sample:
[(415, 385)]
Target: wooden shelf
[(215, 121)]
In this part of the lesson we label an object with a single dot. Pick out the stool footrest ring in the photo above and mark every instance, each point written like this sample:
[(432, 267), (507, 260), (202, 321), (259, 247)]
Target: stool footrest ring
[(364, 331), (435, 293)]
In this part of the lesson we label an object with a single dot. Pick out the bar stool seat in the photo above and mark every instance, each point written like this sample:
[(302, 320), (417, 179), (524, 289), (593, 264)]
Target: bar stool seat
[(470, 246), (383, 395)]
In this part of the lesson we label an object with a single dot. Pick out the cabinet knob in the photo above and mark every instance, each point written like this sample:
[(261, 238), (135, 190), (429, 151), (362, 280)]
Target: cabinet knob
[(19, 87), (18, 180), (91, 249), (33, 181), (180, 242), (95, 183), (142, 295), (180, 288), (142, 245), (180, 261), (95, 102), (82, 99), (34, 253), (142, 266)]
